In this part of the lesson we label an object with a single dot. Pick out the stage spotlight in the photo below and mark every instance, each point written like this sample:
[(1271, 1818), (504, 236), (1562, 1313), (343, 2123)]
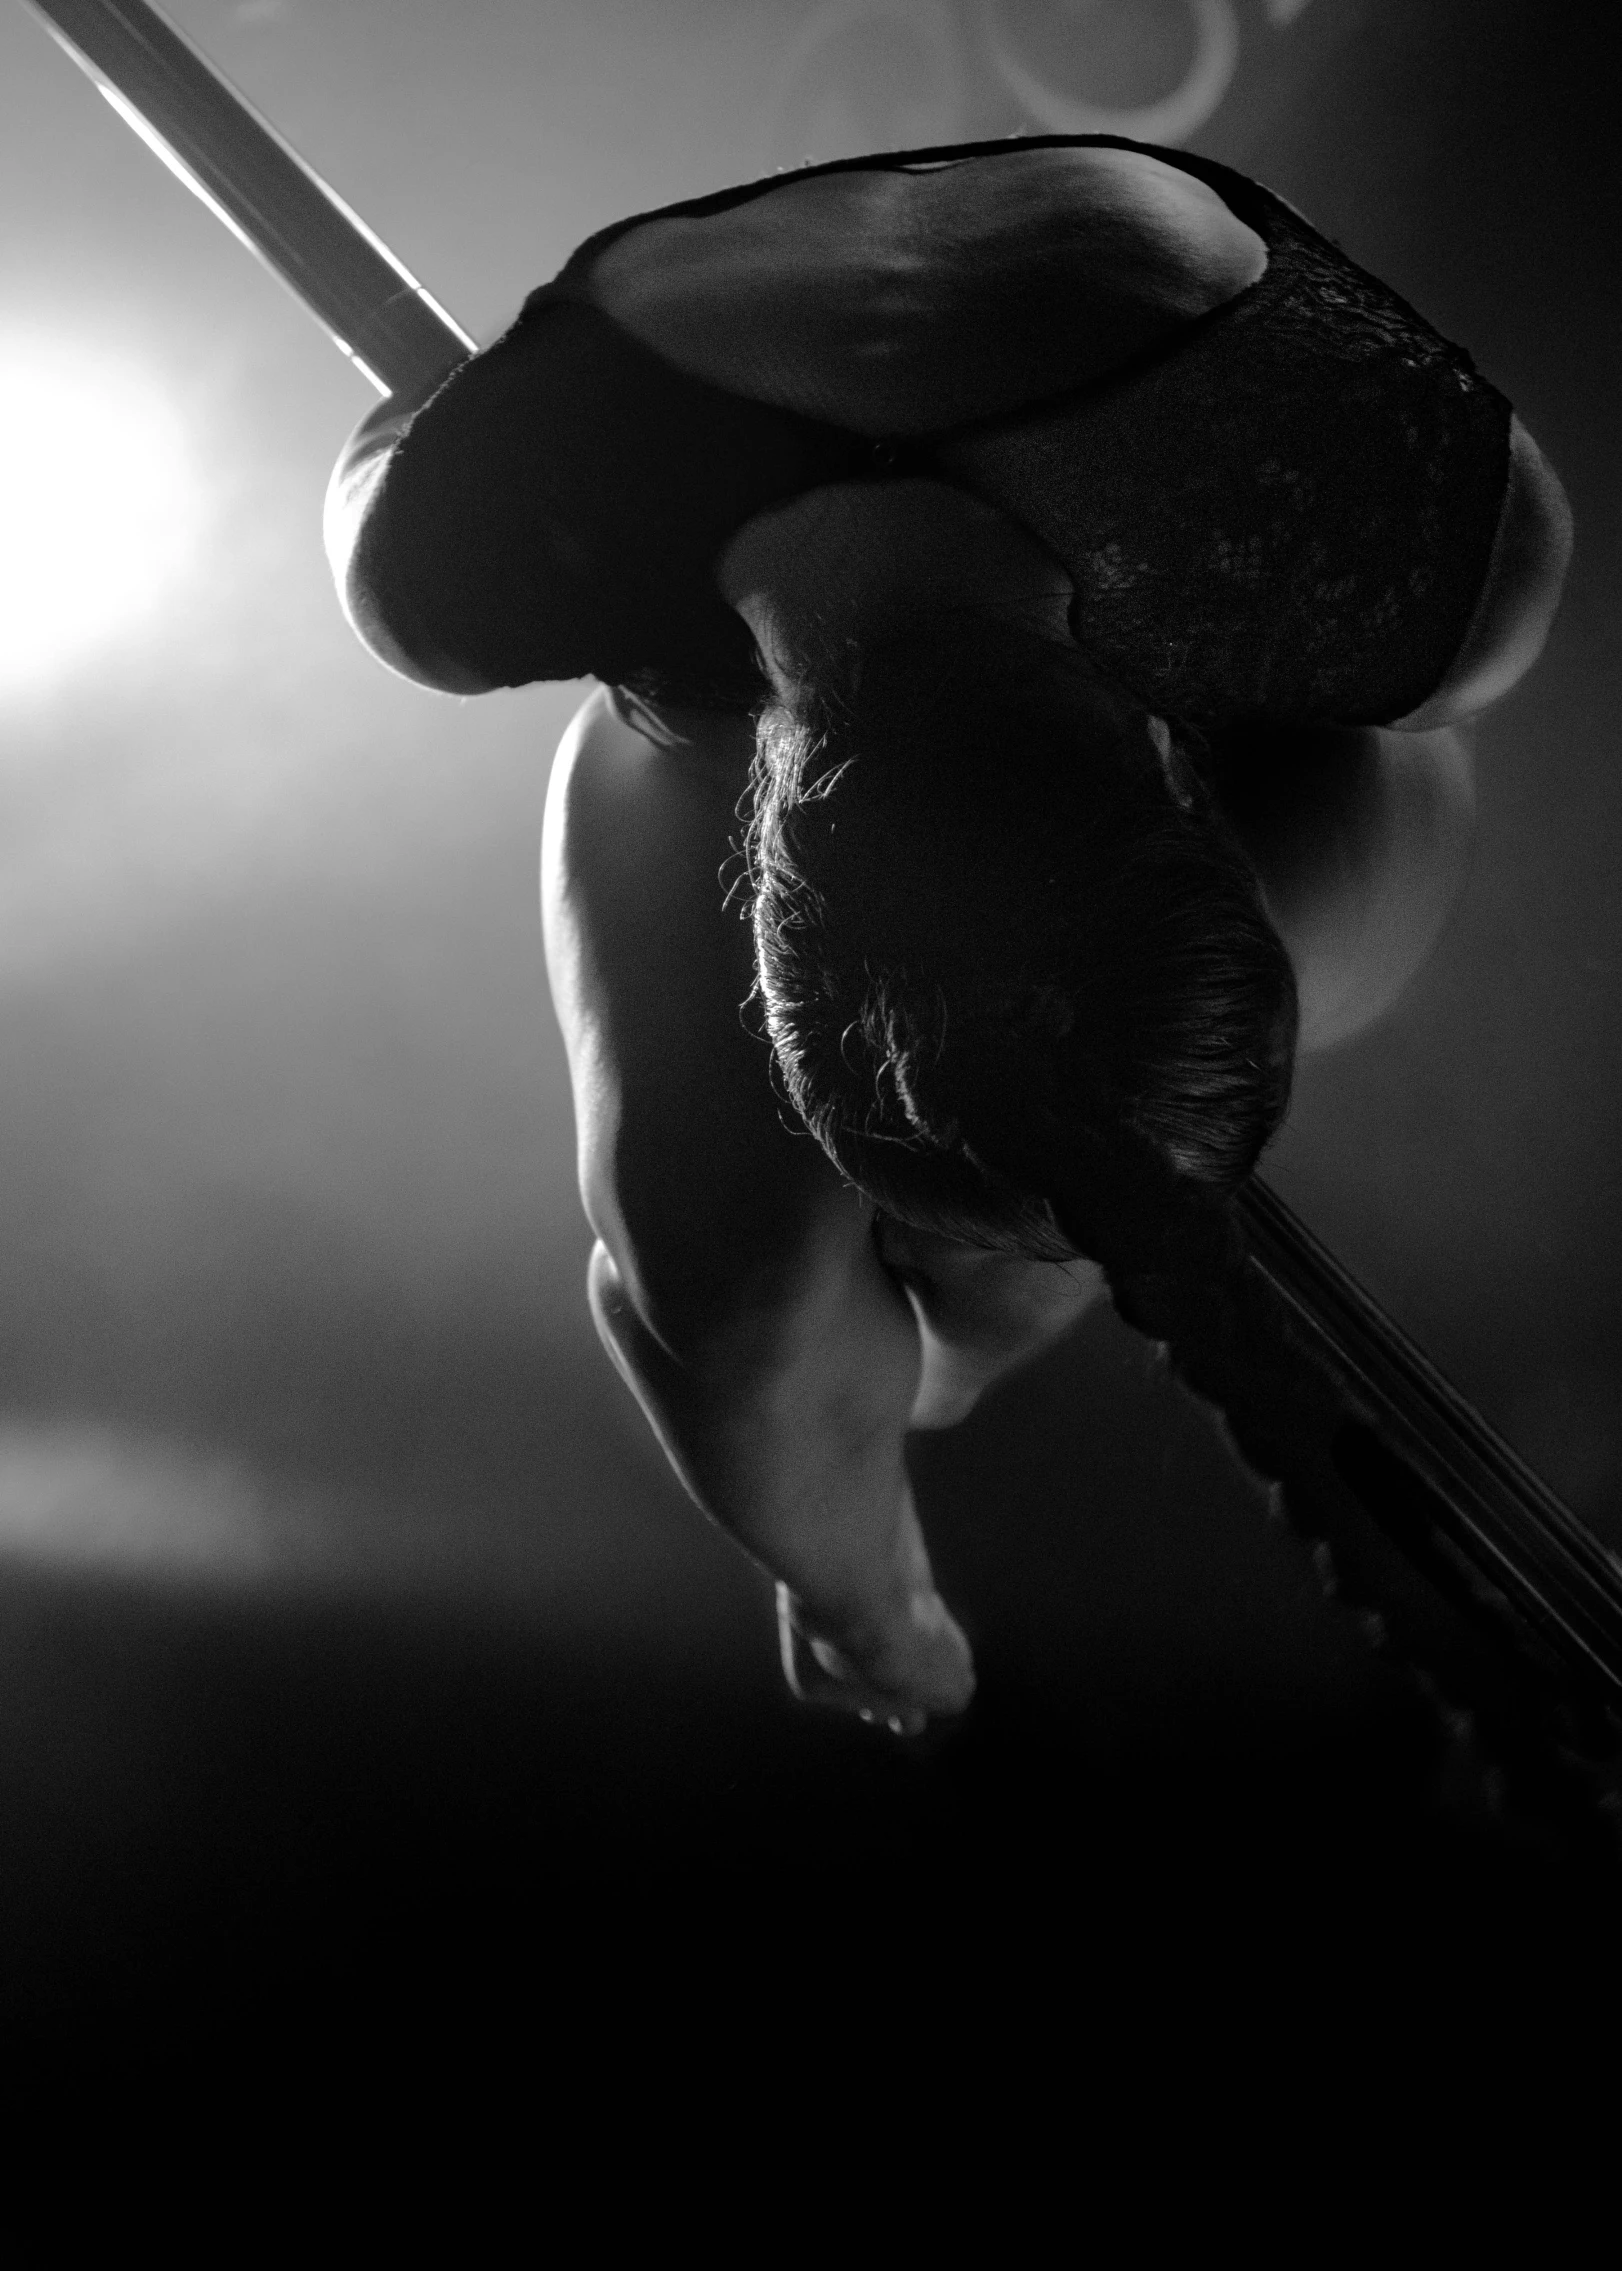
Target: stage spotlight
[(99, 505)]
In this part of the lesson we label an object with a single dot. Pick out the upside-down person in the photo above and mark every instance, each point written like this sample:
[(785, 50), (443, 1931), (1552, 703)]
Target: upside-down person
[(1041, 585)]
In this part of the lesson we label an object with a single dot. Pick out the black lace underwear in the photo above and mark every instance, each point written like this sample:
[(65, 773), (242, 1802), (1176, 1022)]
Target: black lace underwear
[(1287, 513)]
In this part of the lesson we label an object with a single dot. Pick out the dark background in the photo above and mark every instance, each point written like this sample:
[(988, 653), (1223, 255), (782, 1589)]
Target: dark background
[(362, 1673)]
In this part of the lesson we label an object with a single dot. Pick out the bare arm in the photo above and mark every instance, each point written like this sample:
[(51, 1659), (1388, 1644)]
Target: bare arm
[(735, 1281), (792, 1442)]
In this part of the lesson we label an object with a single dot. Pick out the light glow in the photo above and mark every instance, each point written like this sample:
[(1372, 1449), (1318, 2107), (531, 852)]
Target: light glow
[(176, 164), (99, 504)]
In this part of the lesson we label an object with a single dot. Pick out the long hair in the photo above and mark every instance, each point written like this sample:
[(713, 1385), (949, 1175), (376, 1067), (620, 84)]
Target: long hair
[(1005, 942)]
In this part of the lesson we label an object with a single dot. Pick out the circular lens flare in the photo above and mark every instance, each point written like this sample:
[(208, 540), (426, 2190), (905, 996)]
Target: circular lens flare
[(98, 505)]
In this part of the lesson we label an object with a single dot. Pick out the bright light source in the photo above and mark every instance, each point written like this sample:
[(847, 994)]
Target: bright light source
[(98, 504)]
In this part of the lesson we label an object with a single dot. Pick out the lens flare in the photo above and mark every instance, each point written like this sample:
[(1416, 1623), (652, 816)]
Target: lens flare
[(99, 506)]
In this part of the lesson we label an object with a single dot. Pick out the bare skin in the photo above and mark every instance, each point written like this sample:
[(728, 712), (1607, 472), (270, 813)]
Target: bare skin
[(781, 1338), (1022, 273), (780, 1342)]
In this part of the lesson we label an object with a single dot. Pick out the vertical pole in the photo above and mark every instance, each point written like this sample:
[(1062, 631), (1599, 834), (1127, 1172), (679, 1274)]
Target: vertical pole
[(394, 331)]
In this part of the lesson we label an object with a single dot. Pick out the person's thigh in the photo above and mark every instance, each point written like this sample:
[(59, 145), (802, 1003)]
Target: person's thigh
[(980, 1314)]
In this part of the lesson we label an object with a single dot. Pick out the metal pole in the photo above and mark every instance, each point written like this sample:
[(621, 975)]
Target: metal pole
[(391, 329)]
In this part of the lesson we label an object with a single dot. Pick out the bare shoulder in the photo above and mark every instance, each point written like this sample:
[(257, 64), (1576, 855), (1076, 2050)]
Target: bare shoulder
[(632, 853), (712, 1206), (904, 300)]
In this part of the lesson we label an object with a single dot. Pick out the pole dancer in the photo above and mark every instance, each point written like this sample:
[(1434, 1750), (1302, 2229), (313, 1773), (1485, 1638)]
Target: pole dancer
[(991, 505)]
